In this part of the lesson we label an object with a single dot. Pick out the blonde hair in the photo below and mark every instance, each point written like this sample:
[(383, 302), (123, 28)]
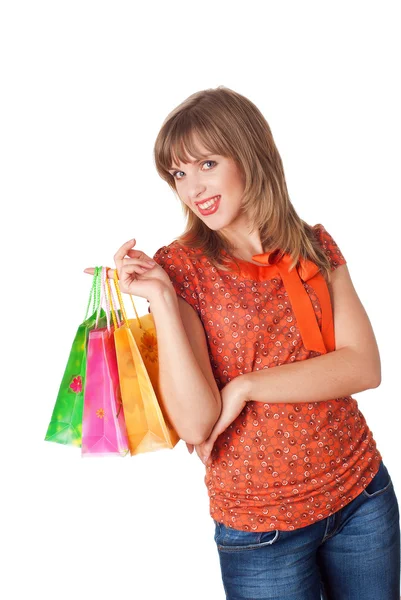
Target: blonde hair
[(229, 124)]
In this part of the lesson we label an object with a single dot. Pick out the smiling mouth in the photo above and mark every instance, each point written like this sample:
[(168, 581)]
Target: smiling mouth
[(209, 203)]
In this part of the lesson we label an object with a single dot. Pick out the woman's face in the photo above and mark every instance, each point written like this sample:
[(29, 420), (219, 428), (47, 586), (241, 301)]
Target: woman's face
[(199, 183)]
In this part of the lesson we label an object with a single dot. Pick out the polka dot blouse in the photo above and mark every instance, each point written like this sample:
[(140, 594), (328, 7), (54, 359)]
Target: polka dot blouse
[(285, 465)]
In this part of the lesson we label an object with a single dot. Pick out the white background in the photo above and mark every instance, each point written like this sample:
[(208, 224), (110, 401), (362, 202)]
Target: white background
[(85, 89)]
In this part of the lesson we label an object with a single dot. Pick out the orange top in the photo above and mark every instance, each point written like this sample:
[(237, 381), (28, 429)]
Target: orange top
[(278, 465), (313, 339)]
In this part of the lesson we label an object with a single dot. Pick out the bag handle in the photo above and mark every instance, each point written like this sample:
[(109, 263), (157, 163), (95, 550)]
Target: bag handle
[(109, 300), (110, 292), (121, 302), (103, 299), (99, 282), (94, 293)]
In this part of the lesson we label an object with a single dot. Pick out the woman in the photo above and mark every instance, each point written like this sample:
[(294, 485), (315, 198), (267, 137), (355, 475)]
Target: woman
[(301, 500)]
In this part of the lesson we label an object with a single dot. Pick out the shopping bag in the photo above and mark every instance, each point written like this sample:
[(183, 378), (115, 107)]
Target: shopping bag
[(103, 425), (147, 423), (65, 425)]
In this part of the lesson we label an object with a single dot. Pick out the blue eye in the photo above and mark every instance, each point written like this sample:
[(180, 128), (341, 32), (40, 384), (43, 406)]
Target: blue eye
[(206, 161), (209, 161)]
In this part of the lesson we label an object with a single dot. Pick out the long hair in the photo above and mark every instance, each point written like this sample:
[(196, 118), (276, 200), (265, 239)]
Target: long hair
[(229, 124)]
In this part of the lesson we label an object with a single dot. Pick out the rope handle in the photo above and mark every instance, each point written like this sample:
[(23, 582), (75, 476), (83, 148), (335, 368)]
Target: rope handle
[(120, 299), (109, 301), (94, 293), (112, 301), (98, 293)]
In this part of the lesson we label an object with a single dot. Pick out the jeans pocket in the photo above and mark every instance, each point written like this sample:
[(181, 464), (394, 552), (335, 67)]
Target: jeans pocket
[(234, 540), (379, 484)]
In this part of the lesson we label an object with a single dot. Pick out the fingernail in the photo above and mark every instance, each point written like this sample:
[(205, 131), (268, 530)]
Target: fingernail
[(151, 262)]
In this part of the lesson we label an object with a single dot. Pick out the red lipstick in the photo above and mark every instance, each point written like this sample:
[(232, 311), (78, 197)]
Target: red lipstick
[(210, 209)]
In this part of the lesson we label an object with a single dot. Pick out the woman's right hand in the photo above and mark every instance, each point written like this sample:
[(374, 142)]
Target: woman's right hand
[(139, 274)]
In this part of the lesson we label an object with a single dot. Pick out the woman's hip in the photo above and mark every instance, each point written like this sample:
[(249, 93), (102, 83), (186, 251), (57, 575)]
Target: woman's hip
[(291, 564)]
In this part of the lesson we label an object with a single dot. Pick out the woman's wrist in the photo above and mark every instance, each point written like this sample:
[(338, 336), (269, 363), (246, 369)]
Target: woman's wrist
[(242, 386), (165, 295)]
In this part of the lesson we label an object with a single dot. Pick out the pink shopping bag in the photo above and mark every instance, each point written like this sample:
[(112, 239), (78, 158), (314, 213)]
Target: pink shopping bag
[(103, 425)]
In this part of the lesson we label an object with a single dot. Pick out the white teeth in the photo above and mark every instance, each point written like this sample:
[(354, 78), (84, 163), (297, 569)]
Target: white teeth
[(208, 203)]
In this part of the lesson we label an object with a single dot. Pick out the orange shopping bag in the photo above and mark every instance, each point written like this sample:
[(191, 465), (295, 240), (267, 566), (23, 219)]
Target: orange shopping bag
[(147, 424)]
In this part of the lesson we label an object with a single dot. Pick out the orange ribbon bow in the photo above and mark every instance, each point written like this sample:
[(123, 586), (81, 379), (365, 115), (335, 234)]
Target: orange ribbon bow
[(313, 339)]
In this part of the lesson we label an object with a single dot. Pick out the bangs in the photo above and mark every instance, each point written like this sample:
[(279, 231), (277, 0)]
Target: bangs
[(180, 145), (184, 147)]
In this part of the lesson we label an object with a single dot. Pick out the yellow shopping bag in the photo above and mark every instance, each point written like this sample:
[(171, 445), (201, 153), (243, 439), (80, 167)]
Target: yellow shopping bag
[(147, 424)]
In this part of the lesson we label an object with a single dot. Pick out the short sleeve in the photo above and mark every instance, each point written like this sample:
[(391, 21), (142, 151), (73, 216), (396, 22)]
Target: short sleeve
[(330, 247), (182, 271)]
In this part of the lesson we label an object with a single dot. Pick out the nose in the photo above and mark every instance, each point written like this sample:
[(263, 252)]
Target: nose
[(195, 187)]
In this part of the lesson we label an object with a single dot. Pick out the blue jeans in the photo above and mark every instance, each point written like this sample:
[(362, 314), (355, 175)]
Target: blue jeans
[(352, 555)]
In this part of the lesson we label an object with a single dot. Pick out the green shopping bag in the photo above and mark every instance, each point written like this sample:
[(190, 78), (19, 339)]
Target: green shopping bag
[(65, 425)]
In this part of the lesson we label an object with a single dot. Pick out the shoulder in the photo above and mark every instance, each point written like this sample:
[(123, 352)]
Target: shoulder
[(329, 246), (182, 265), (175, 254)]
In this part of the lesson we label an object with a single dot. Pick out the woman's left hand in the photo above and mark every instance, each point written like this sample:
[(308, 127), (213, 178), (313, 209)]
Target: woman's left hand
[(233, 400)]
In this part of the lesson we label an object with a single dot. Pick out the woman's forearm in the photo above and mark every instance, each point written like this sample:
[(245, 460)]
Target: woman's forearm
[(333, 375), (187, 396)]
